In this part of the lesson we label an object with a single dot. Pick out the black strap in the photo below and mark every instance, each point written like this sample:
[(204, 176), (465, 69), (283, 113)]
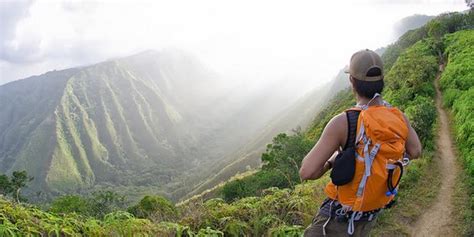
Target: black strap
[(352, 117), (390, 185)]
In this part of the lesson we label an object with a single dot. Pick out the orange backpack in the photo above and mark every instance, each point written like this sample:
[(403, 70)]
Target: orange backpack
[(380, 145)]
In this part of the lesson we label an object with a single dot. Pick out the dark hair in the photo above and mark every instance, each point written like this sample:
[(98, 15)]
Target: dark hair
[(368, 89)]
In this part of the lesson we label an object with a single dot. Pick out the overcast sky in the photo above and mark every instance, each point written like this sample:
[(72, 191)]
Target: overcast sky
[(255, 41)]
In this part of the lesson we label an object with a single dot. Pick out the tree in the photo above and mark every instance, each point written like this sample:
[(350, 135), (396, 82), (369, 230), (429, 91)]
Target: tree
[(155, 208), (422, 114), (239, 188), (437, 29), (285, 154), (70, 204), (5, 185), (103, 202), (12, 186), (97, 204), (18, 181)]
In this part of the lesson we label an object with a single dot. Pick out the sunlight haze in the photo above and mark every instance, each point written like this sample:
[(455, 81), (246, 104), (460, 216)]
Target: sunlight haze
[(251, 42)]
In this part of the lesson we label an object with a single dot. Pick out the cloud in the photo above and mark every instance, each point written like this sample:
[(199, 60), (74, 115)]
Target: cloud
[(12, 12), (80, 6), (249, 40), (51, 32)]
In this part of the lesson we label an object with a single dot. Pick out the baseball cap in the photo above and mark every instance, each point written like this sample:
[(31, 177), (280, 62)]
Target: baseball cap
[(364, 61)]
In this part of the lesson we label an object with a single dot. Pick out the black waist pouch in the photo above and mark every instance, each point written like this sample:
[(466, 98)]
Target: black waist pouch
[(343, 169)]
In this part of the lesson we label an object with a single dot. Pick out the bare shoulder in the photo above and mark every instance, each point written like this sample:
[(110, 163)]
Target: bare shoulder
[(339, 119), (337, 126)]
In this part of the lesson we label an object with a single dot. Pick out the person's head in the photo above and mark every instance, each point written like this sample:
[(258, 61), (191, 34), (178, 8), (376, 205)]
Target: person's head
[(366, 73)]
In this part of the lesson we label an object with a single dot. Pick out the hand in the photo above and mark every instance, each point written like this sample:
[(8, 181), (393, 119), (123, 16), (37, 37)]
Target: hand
[(329, 164)]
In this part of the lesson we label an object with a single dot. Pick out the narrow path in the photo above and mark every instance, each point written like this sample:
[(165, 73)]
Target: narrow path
[(438, 219)]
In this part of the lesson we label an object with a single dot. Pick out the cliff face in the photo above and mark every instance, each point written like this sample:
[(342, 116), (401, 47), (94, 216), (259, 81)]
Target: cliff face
[(138, 120)]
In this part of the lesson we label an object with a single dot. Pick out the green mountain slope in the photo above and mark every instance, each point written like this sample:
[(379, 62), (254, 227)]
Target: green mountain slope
[(28, 121), (104, 123), (410, 23), (152, 122)]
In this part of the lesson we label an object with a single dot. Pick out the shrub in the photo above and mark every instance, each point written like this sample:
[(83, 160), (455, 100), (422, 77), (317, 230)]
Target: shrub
[(155, 208), (70, 204)]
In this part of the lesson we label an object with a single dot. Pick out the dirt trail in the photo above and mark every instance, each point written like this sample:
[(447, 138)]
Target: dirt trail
[(438, 219)]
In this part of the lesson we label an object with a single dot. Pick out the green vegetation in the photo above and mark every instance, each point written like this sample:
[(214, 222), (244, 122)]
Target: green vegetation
[(457, 83), (253, 185), (24, 220), (70, 204), (155, 208), (98, 204), (12, 185), (273, 201), (281, 163), (409, 86), (280, 212), (442, 24)]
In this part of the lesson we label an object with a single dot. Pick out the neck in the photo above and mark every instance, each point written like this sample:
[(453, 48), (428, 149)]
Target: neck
[(363, 100)]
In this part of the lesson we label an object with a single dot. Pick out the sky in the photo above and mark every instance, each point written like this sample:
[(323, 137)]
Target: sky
[(252, 41)]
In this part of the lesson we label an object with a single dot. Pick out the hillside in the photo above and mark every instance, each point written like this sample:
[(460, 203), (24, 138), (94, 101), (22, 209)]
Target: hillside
[(134, 124), (457, 85), (410, 23), (296, 116), (285, 212), (104, 122)]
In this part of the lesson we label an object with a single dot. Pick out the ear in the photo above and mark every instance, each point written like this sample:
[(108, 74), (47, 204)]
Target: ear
[(351, 79)]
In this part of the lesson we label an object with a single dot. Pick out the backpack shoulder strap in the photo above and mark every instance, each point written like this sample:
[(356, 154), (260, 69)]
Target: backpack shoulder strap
[(352, 118)]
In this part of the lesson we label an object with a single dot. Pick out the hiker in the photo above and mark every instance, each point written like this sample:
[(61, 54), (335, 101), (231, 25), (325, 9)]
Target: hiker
[(367, 147)]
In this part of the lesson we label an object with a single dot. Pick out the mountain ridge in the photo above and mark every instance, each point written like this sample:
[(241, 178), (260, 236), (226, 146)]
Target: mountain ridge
[(151, 121), (78, 103)]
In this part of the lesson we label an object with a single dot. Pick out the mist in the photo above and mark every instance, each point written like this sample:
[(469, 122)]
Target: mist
[(253, 44)]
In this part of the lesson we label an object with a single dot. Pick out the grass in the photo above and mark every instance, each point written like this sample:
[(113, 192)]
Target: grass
[(464, 223), (417, 192), (462, 202), (457, 84), (215, 191)]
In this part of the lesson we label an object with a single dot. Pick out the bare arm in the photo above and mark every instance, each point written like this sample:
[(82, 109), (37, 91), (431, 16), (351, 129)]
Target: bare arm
[(333, 137), (327, 166), (413, 144)]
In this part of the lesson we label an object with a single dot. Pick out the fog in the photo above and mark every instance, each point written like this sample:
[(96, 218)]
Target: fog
[(254, 43)]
